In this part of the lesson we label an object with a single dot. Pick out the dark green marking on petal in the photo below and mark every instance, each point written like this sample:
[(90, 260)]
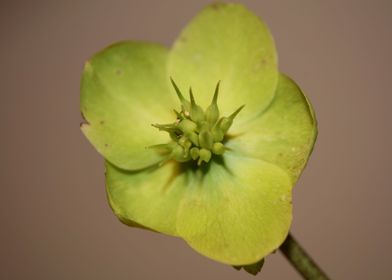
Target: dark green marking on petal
[(196, 134)]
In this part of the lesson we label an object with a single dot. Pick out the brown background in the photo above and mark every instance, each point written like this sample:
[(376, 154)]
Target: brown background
[(55, 222)]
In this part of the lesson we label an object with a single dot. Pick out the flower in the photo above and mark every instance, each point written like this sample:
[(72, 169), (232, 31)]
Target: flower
[(230, 202)]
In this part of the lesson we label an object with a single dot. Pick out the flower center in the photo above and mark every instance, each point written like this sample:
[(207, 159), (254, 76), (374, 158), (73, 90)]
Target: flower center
[(196, 134)]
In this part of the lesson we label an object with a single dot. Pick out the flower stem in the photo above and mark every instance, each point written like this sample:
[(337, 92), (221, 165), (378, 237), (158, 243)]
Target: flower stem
[(301, 261)]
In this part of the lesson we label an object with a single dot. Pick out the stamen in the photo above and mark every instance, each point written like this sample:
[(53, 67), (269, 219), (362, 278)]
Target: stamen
[(196, 134), (204, 155), (218, 148), (194, 153)]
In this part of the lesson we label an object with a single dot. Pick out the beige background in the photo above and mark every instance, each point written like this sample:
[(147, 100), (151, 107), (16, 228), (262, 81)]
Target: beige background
[(55, 222)]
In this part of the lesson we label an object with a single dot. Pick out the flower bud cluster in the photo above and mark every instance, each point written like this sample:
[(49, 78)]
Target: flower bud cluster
[(196, 134)]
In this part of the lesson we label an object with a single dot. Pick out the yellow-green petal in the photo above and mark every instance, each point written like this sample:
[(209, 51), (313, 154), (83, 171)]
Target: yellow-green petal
[(227, 43), (235, 213), (124, 89), (238, 212), (149, 198), (284, 134)]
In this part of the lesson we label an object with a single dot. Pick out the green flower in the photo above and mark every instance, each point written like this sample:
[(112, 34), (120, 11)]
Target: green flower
[(215, 175)]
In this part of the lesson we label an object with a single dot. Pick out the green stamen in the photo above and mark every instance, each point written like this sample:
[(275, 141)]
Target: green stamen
[(218, 148), (194, 153), (204, 155), (196, 134)]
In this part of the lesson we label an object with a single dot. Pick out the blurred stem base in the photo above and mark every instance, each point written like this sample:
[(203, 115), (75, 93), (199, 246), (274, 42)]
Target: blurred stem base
[(301, 261)]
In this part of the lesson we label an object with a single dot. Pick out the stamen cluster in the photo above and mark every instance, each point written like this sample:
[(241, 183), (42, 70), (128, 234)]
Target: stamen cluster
[(196, 134)]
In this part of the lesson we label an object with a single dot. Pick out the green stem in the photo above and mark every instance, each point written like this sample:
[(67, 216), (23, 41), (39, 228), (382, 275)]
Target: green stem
[(301, 261)]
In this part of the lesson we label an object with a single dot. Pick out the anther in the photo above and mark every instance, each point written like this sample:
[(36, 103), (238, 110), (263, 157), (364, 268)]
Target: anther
[(194, 152), (204, 155), (179, 154), (218, 148)]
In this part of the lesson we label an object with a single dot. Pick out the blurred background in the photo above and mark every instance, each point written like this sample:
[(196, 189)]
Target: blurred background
[(55, 221)]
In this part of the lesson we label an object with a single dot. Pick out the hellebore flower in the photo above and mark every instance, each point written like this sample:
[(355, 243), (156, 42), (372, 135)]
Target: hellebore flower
[(212, 171)]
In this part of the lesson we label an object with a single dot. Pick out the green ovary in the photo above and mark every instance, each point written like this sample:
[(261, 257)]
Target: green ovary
[(196, 134)]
